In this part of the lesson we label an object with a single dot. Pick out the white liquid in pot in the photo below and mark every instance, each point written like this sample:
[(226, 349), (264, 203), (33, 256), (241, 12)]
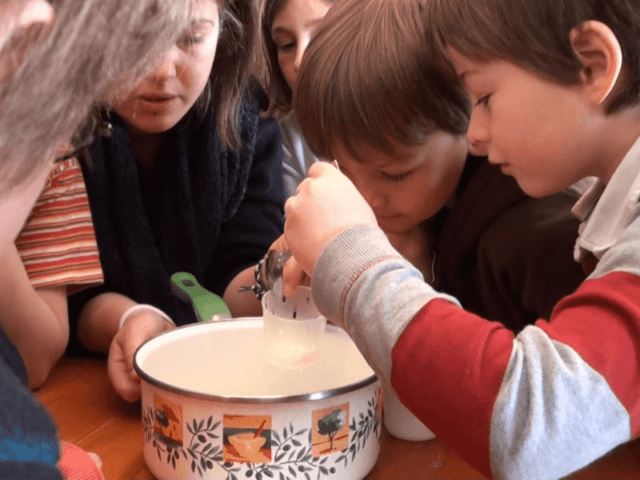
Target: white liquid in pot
[(229, 361)]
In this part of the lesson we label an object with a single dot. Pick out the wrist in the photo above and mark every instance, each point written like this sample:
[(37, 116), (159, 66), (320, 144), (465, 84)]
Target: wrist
[(260, 287), (143, 306)]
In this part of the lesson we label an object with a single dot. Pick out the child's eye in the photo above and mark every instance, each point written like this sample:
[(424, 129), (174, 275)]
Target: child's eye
[(483, 100), (285, 47), (391, 177)]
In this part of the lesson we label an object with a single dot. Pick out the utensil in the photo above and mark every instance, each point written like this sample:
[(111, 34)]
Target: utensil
[(207, 305), (206, 389), (274, 265)]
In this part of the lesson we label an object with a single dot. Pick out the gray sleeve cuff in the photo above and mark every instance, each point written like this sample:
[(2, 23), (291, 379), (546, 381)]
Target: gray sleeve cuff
[(363, 284)]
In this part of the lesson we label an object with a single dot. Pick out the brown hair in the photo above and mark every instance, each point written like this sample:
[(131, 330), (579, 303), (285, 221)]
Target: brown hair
[(535, 34), (367, 79), (89, 48), (278, 90), (231, 80)]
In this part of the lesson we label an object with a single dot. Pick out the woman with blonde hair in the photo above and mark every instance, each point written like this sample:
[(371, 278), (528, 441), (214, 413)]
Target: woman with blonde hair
[(189, 181)]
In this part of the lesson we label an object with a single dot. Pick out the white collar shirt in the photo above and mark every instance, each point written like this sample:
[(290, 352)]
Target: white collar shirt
[(606, 210)]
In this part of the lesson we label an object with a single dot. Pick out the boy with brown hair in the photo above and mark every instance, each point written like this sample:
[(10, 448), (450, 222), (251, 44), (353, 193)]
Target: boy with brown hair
[(555, 88), (397, 126)]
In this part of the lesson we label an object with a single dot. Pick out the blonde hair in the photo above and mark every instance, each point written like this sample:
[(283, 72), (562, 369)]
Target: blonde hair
[(92, 47), (368, 78), (233, 75)]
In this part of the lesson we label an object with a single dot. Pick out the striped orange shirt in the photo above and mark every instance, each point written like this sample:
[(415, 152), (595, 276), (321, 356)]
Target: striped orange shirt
[(58, 243)]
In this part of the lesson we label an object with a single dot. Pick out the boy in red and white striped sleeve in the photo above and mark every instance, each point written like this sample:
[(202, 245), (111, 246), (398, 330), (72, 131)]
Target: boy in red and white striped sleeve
[(555, 88)]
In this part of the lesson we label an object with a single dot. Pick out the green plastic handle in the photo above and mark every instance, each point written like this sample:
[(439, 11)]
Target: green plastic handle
[(206, 304)]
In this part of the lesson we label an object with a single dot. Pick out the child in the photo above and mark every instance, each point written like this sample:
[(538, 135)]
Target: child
[(400, 138), (46, 59), (554, 88), (189, 181), (287, 27), (54, 255)]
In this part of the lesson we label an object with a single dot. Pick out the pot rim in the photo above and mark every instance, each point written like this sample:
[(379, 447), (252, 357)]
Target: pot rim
[(262, 399)]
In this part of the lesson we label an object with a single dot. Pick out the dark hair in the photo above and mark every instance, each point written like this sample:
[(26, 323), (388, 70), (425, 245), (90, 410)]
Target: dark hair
[(54, 74), (367, 79), (231, 76), (278, 90), (535, 35)]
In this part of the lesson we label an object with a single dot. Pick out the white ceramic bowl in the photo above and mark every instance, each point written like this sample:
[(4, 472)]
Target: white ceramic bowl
[(213, 408)]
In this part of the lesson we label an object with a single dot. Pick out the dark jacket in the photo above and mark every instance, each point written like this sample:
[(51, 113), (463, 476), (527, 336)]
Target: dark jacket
[(29, 446), (205, 210), (504, 255)]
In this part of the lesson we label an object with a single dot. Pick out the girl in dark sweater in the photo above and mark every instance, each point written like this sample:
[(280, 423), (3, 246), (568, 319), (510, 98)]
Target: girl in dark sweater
[(190, 180)]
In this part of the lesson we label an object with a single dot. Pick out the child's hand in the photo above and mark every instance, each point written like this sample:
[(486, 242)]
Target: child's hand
[(293, 276), (325, 204), (140, 326)]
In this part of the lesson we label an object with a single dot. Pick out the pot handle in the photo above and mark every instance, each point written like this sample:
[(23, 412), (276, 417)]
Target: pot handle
[(207, 305)]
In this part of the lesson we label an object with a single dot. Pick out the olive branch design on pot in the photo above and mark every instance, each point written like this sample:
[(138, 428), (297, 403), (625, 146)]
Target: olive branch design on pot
[(361, 431), (201, 450), (204, 454), (293, 456), (172, 449)]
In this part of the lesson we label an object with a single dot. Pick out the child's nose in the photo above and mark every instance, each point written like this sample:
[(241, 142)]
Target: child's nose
[(302, 46), (478, 134), (376, 199)]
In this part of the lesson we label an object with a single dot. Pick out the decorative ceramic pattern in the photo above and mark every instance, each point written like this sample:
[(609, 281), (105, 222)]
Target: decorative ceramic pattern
[(247, 446)]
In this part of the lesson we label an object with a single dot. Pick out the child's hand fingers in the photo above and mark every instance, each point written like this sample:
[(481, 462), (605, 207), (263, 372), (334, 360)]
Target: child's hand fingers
[(293, 277), (119, 372), (318, 169), (325, 204), (139, 328)]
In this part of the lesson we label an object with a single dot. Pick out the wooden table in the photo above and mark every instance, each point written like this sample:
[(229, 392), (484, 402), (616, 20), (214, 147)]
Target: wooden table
[(91, 415)]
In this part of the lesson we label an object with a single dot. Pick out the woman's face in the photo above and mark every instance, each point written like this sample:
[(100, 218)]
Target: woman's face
[(15, 205), (293, 27), (160, 101)]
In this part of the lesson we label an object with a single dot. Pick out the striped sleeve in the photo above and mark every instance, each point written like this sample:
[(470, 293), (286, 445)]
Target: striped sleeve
[(57, 243), (538, 405)]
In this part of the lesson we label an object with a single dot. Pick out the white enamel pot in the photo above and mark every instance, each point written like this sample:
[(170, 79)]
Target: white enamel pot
[(213, 408)]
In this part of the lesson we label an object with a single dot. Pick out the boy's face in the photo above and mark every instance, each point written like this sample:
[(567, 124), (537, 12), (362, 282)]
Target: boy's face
[(410, 186), (537, 130)]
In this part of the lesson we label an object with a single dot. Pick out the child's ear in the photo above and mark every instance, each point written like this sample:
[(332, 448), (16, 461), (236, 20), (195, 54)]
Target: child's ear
[(599, 51)]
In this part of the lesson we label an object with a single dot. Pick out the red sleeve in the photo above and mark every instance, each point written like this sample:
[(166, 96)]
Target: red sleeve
[(447, 367)]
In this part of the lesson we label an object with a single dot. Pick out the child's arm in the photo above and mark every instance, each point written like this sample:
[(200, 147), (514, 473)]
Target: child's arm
[(99, 330), (242, 303), (540, 405), (36, 321)]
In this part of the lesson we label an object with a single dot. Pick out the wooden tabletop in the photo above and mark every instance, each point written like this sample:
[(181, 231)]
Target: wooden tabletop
[(92, 416)]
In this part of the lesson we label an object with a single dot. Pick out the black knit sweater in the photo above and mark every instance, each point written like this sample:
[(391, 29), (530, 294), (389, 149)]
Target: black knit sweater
[(504, 255), (205, 210)]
